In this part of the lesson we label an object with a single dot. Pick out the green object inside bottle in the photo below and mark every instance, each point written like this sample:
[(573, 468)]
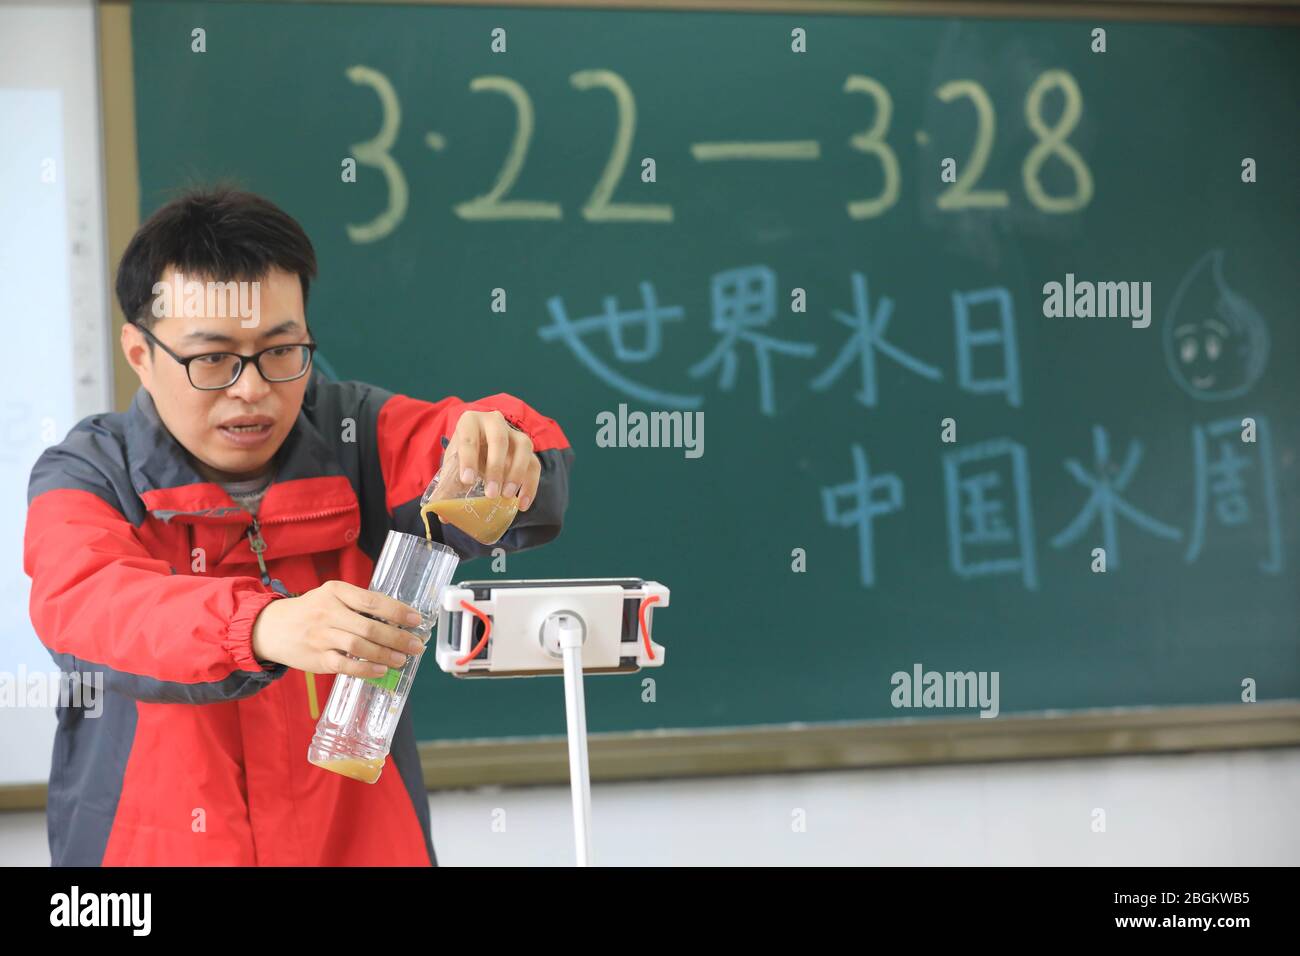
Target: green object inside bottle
[(390, 678), (388, 682)]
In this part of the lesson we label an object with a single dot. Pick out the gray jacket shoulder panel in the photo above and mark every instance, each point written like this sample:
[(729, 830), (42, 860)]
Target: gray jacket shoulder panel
[(346, 417), (93, 458)]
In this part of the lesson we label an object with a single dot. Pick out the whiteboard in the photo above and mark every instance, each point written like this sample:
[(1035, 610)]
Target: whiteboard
[(54, 288)]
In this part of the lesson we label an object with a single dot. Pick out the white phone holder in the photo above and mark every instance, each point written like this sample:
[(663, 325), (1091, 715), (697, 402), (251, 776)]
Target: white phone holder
[(575, 626)]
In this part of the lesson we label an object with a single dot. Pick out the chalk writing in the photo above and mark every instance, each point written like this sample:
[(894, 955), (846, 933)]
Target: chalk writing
[(743, 300), (985, 487), (1222, 478), (866, 506), (868, 336), (1104, 503)]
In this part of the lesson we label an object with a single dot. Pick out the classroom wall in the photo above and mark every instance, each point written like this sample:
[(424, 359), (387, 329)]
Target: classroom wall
[(1226, 808), (1235, 808)]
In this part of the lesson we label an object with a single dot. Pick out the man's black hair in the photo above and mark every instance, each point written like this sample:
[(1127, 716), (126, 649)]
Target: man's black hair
[(219, 233)]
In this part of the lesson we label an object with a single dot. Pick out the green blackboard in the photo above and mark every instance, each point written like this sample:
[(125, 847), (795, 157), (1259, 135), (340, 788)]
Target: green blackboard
[(923, 300)]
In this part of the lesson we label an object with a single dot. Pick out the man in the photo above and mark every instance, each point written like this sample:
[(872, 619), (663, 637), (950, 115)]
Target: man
[(208, 551)]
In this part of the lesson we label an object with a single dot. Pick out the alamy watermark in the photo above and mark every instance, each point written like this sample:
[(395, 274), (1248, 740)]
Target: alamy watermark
[(1102, 300), (213, 300), (83, 689), (639, 429), (130, 910), (947, 689)]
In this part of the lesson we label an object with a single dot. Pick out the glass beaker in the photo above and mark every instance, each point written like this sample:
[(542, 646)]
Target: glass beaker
[(466, 505), (355, 731)]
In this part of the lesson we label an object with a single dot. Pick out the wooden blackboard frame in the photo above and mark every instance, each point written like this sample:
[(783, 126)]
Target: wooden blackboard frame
[(767, 748), (785, 748)]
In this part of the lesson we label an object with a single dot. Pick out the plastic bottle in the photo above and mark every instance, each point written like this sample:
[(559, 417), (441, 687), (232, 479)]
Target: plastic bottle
[(355, 731)]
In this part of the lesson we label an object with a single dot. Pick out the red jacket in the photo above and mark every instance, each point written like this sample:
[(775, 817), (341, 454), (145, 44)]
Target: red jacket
[(199, 756)]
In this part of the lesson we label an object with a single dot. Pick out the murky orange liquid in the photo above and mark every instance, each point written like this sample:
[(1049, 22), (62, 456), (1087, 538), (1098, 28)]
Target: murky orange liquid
[(483, 519), (367, 771)]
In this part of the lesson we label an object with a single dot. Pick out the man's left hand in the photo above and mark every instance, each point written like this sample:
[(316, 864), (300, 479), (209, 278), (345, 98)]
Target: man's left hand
[(487, 445)]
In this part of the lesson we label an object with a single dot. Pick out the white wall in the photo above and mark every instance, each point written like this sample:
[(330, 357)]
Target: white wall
[(1224, 808), (1231, 808)]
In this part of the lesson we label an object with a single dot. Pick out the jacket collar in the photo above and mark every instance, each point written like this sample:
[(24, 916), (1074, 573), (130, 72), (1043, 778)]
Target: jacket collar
[(308, 477)]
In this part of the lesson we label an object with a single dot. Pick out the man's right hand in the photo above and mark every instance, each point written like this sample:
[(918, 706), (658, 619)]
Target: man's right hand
[(318, 631)]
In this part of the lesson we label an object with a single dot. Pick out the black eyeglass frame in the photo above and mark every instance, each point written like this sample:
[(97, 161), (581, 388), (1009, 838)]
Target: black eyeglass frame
[(255, 358)]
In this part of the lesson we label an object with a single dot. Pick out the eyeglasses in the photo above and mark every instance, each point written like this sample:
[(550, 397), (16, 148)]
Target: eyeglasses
[(217, 370)]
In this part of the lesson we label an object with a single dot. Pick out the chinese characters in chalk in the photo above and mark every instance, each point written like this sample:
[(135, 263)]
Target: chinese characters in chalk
[(744, 313), (989, 505)]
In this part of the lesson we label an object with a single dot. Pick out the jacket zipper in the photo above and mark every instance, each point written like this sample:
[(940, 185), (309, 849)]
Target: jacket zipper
[(258, 545), (312, 516)]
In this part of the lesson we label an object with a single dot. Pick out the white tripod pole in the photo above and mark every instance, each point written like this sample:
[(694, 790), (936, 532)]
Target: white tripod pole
[(571, 634)]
